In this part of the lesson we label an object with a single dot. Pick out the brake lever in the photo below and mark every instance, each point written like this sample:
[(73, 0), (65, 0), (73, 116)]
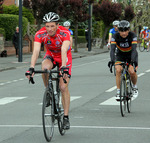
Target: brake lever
[(31, 80)]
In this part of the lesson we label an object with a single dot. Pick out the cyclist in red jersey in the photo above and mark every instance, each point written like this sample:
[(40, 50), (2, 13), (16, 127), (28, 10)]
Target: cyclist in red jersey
[(56, 39)]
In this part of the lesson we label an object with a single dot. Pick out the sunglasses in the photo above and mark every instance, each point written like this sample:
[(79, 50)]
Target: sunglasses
[(123, 29)]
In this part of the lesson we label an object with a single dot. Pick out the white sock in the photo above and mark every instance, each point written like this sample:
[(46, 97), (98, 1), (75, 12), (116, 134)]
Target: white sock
[(135, 86), (118, 91)]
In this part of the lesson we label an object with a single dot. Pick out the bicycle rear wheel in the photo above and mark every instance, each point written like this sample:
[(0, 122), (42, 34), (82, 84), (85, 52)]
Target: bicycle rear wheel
[(123, 96), (48, 117), (129, 96), (141, 47)]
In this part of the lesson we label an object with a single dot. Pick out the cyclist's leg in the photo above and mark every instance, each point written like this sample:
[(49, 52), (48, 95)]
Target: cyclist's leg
[(118, 70), (65, 93), (47, 63), (64, 87), (118, 74), (133, 74)]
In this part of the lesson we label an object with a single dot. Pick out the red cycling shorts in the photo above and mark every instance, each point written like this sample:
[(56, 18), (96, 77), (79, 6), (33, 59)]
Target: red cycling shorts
[(58, 60)]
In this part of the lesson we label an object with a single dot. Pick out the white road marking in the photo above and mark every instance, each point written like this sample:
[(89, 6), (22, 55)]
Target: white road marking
[(72, 98), (111, 89), (79, 127), (147, 70), (141, 74), (13, 81), (89, 63), (7, 100), (110, 101)]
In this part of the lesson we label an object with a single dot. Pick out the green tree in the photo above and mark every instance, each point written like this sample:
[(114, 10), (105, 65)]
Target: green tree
[(12, 9), (108, 12), (40, 8), (76, 10), (1, 6)]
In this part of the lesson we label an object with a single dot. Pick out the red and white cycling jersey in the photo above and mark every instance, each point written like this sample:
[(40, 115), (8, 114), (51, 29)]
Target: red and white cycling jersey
[(53, 44)]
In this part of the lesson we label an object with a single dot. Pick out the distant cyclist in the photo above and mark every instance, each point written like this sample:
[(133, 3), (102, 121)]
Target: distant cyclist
[(56, 39), (112, 32), (126, 43), (67, 25), (145, 34)]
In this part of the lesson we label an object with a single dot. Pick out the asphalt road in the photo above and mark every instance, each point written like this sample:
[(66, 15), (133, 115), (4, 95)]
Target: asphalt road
[(94, 114)]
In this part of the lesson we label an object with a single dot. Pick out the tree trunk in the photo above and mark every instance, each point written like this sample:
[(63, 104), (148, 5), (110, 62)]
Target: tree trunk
[(76, 36), (104, 37)]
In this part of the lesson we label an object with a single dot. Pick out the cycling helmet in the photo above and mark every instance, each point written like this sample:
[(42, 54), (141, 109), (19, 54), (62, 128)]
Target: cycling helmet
[(116, 23), (51, 17), (123, 25), (66, 24), (145, 27)]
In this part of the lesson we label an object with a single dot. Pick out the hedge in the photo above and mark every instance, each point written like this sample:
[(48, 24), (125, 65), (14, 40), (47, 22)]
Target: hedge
[(81, 32), (2, 31), (9, 23), (81, 39), (12, 9)]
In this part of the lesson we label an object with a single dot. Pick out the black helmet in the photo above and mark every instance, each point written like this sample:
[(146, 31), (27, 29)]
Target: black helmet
[(123, 25)]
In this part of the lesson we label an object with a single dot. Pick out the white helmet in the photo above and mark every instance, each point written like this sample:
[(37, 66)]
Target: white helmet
[(116, 23), (66, 24), (51, 17)]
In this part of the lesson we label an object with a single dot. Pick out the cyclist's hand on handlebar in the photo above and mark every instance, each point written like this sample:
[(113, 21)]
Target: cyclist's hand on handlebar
[(29, 74), (135, 65), (64, 72)]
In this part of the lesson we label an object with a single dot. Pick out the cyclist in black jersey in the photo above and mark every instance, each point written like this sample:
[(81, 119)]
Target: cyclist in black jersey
[(126, 43)]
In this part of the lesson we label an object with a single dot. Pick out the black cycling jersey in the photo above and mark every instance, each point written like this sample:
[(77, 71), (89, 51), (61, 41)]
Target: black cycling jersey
[(126, 47)]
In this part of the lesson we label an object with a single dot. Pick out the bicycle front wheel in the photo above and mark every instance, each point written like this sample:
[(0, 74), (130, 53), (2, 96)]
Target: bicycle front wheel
[(129, 96), (123, 96), (141, 47), (48, 117), (60, 116)]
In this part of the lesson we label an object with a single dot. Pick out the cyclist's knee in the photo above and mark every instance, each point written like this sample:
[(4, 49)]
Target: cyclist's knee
[(47, 64), (63, 88), (118, 70)]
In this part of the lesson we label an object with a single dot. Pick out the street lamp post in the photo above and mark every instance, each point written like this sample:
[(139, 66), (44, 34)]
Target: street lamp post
[(89, 27), (20, 31)]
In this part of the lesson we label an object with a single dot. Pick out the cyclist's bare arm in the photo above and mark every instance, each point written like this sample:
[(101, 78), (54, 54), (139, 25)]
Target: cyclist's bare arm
[(64, 50), (110, 36), (36, 50)]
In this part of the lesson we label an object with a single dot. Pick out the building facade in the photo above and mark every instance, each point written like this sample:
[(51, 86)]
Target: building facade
[(11, 2)]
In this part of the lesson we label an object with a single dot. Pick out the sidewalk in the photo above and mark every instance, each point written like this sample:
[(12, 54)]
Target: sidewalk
[(11, 62)]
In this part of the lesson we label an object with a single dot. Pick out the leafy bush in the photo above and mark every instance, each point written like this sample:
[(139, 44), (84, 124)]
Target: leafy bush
[(98, 29), (81, 39), (81, 32), (9, 23), (2, 31), (12, 9)]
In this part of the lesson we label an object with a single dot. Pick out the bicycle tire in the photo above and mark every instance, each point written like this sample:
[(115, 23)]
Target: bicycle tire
[(141, 47), (129, 96), (123, 96), (48, 117), (60, 117)]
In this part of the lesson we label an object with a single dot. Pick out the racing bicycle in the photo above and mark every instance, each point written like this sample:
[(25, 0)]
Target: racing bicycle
[(125, 90), (143, 45), (52, 111)]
